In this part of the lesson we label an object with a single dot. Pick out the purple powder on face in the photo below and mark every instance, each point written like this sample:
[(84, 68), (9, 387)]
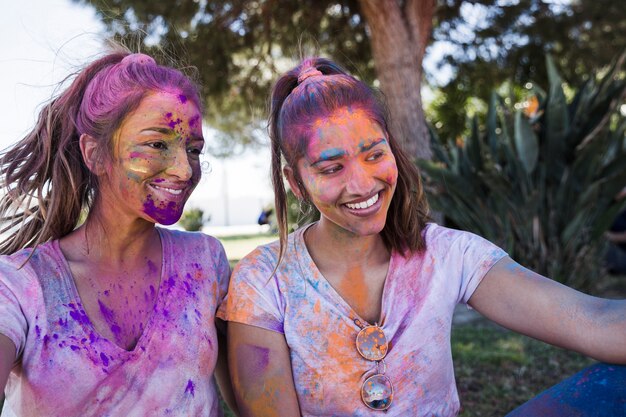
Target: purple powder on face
[(182, 98), (165, 214), (46, 339), (38, 331), (173, 123), (190, 388), (74, 348), (193, 122)]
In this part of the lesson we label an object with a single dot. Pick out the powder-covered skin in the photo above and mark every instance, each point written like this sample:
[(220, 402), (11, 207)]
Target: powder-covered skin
[(419, 297), (65, 368)]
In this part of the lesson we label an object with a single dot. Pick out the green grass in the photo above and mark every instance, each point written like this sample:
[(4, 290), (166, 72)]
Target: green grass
[(497, 370), (237, 247)]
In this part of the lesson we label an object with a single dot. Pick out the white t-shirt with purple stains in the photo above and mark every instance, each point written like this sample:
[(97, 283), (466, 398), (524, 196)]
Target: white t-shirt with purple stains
[(419, 297), (65, 368)]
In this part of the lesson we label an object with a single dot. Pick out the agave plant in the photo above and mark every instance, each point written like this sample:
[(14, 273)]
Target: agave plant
[(542, 187)]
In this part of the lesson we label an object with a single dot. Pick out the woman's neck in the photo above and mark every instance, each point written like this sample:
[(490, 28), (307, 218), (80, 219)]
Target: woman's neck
[(335, 247), (103, 240)]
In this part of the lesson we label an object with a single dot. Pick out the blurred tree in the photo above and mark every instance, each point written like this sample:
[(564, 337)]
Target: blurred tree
[(239, 47), (491, 42), (193, 219)]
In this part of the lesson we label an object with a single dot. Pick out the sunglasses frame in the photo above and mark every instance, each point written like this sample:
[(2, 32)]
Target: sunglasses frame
[(365, 332)]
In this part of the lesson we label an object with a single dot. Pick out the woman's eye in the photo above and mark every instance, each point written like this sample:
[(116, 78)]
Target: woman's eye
[(158, 145), (375, 155), (331, 169), (195, 151)]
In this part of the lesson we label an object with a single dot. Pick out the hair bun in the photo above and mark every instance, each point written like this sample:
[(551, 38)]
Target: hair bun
[(138, 58), (309, 72)]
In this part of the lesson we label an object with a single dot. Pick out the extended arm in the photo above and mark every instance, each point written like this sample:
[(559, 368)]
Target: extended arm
[(261, 372), (7, 357), (531, 304)]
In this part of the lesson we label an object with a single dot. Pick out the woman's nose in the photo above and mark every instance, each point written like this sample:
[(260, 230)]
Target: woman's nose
[(361, 180), (179, 164)]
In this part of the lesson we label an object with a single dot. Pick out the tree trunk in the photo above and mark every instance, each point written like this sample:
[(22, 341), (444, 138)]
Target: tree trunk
[(400, 31)]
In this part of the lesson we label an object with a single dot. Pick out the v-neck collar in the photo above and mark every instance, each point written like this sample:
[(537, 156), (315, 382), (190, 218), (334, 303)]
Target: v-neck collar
[(310, 270), (87, 325)]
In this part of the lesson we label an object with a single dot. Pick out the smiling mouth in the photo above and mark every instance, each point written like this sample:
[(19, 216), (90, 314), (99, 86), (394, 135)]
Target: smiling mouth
[(363, 204), (173, 191)]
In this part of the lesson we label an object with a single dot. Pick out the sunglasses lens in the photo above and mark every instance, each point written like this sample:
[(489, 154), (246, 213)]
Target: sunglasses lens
[(377, 392), (372, 343)]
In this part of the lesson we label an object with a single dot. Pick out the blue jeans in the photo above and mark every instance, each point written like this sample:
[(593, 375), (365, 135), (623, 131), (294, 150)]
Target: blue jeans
[(596, 391)]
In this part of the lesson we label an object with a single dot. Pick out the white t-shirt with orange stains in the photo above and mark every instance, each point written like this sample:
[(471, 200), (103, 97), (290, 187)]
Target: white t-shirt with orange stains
[(419, 297), (65, 368)]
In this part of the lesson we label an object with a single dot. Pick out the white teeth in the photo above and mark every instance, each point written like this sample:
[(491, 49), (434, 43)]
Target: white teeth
[(169, 190), (363, 204)]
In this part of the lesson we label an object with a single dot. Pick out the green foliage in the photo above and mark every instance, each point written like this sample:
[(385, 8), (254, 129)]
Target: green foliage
[(193, 219), (239, 47), (487, 43), (542, 187)]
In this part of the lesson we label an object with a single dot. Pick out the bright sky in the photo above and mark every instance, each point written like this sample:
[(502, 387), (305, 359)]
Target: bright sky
[(43, 41)]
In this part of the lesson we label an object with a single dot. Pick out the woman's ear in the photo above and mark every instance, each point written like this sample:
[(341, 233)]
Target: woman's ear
[(294, 184), (91, 155)]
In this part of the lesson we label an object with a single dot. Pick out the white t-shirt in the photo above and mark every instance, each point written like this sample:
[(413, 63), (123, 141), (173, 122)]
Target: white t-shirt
[(65, 368), (419, 297)]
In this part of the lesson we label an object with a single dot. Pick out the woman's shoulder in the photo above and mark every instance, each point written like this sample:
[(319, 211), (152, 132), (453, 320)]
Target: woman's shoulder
[(441, 238), (29, 263)]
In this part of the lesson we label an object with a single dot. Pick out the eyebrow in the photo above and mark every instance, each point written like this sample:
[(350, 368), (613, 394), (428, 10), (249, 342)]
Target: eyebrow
[(365, 148), (329, 155)]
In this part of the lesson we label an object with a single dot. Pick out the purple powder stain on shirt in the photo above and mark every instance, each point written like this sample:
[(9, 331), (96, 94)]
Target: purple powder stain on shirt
[(46, 339), (38, 331), (190, 388), (105, 359), (78, 315)]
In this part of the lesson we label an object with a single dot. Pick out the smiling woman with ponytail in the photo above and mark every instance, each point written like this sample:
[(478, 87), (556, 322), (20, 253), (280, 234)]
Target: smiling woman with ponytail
[(113, 316)]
